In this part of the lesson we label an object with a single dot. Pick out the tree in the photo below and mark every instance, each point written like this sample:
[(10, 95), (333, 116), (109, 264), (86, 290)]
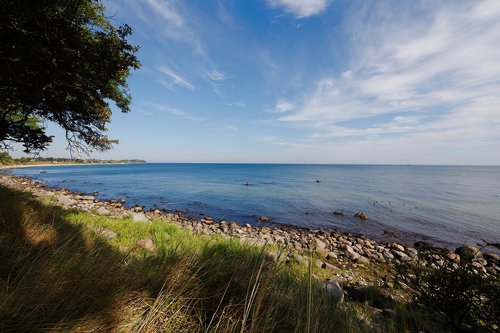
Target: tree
[(62, 62), (5, 158)]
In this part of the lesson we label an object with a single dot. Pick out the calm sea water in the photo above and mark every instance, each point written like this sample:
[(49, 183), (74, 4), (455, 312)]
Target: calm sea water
[(447, 205)]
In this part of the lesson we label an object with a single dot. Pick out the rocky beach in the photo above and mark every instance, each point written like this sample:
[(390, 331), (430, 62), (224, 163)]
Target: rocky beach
[(350, 259)]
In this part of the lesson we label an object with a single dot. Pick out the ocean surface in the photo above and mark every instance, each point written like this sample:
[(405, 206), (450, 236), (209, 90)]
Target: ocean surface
[(444, 205)]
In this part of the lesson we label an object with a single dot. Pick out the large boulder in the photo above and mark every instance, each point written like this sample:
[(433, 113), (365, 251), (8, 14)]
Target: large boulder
[(139, 217), (334, 290), (65, 201)]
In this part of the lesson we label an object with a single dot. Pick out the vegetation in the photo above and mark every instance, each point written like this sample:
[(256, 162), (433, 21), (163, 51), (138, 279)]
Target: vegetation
[(62, 62), (459, 293), (6, 159), (60, 273)]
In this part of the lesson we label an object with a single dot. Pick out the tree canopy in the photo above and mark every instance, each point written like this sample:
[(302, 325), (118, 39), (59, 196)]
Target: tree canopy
[(62, 62)]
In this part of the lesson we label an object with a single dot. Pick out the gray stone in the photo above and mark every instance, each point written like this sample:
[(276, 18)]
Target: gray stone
[(320, 246), (147, 244), (331, 255), (65, 201), (107, 233), (334, 290), (331, 267), (84, 197), (103, 211), (363, 260), (139, 217), (400, 255), (397, 247), (349, 252), (412, 252)]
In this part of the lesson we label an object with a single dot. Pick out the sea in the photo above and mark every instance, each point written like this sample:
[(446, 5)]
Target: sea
[(442, 205)]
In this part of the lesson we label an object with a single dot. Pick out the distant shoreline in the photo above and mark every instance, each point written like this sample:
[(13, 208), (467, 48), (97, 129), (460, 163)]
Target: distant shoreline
[(22, 166)]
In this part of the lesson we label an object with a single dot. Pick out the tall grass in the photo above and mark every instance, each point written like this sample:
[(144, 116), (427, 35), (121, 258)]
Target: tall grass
[(58, 274)]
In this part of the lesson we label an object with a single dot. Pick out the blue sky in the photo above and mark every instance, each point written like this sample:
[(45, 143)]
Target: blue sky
[(310, 81)]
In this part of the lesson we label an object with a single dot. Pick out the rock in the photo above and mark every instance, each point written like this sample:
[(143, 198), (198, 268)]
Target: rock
[(454, 257), (338, 213), (400, 255), (422, 245), (320, 246), (468, 252), (491, 257), (103, 211), (106, 233), (139, 217), (334, 290), (264, 218), (147, 244), (233, 225), (271, 256), (331, 255), (363, 260), (396, 246), (223, 226), (412, 252), (331, 267), (65, 201), (350, 253), (85, 197), (361, 216)]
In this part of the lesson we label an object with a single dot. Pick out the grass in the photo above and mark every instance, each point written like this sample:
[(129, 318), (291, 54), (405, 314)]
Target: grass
[(59, 274)]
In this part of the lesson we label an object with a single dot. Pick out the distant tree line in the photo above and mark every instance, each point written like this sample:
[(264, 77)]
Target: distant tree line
[(6, 159)]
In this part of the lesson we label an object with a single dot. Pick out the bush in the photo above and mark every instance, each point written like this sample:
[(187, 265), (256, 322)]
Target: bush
[(5, 158), (461, 293)]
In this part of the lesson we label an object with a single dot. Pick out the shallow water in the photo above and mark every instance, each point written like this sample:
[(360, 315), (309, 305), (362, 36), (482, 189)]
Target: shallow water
[(447, 205)]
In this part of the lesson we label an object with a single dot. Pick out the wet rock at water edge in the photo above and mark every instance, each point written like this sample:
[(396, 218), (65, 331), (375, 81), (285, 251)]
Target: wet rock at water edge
[(264, 218), (361, 216), (468, 252)]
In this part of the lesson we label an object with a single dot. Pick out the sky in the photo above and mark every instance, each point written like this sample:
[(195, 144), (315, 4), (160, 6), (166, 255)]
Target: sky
[(310, 81)]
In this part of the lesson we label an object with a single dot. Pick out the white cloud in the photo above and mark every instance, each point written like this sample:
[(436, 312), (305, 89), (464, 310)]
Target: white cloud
[(283, 106), (415, 71), (172, 19), (173, 111), (215, 75), (176, 77), (300, 8), (167, 11)]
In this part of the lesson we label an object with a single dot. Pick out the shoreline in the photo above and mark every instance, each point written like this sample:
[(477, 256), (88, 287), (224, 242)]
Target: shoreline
[(348, 250), (22, 166)]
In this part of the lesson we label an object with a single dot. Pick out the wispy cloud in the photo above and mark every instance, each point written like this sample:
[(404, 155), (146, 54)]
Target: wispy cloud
[(173, 111), (177, 79), (300, 8), (283, 106), (215, 75), (415, 70), (238, 104), (271, 139)]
